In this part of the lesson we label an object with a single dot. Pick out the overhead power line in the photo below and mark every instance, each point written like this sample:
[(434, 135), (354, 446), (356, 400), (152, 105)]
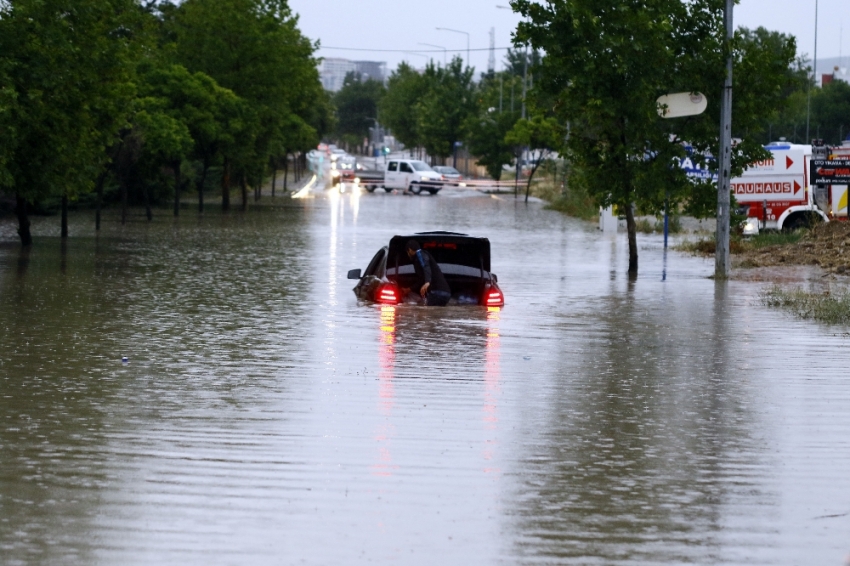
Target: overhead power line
[(408, 50)]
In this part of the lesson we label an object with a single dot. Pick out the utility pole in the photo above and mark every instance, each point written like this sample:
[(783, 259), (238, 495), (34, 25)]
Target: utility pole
[(724, 170), (524, 79), (491, 61), (814, 78)]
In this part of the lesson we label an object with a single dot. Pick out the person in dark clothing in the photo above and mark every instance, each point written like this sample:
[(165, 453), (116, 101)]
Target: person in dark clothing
[(432, 284)]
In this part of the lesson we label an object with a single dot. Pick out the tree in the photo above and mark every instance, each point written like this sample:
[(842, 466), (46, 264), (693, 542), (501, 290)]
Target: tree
[(518, 63), (539, 134), (445, 106), (357, 107), (606, 63), (254, 48), (69, 65), (210, 113), (7, 132), (398, 109), (492, 120), (831, 112)]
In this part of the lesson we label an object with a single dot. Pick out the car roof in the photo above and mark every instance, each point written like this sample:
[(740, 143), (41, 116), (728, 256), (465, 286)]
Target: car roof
[(446, 247)]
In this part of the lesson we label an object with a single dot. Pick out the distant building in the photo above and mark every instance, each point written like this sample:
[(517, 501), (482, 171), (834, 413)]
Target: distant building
[(838, 74), (333, 71)]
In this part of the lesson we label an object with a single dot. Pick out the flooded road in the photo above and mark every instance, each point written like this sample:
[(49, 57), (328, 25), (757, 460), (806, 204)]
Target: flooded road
[(265, 417)]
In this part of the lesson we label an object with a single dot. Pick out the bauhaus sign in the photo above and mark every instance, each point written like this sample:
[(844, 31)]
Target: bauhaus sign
[(830, 171), (768, 187)]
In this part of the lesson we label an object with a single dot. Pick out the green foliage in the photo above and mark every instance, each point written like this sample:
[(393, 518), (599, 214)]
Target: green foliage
[(444, 107), (516, 64), (608, 61), (66, 93), (486, 138), (773, 238), (538, 132), (492, 120), (831, 112), (357, 106), (254, 48), (398, 109)]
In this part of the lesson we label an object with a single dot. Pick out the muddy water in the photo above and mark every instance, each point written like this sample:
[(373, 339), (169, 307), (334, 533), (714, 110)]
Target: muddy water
[(265, 417)]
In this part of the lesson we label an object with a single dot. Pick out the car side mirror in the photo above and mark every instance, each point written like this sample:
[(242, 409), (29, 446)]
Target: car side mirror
[(354, 274), (495, 279)]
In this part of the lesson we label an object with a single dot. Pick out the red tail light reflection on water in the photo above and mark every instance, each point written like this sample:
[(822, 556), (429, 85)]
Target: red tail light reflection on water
[(385, 432)]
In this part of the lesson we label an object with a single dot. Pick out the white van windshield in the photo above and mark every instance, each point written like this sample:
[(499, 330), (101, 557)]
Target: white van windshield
[(420, 166)]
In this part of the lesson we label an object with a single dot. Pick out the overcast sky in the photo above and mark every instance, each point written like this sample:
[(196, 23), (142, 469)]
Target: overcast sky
[(404, 24)]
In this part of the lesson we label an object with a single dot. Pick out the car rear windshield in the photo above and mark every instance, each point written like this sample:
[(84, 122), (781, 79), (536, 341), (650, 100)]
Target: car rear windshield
[(420, 166), (466, 255)]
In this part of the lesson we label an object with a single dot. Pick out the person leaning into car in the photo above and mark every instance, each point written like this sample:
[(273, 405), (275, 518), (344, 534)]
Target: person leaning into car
[(432, 284)]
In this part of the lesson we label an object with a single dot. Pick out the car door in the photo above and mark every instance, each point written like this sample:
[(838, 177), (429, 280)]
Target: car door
[(405, 174), (391, 175), (371, 280)]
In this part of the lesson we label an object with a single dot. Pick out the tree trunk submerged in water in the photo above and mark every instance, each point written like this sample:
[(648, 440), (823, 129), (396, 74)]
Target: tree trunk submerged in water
[(243, 184), (99, 190), (631, 229), (176, 168), (201, 182), (64, 230), (225, 186), (23, 220)]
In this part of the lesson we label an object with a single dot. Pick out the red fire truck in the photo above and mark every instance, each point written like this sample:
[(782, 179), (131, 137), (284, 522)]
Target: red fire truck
[(777, 195)]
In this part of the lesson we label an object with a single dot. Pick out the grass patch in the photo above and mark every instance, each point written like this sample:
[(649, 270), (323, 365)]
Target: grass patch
[(644, 227), (825, 307), (575, 204), (771, 238), (708, 247), (674, 225)]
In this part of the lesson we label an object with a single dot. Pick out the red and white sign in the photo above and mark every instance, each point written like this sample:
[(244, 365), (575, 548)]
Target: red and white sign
[(752, 188), (783, 162)]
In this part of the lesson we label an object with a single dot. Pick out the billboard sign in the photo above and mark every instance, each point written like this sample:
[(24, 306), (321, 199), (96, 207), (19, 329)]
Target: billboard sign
[(830, 171), (782, 162)]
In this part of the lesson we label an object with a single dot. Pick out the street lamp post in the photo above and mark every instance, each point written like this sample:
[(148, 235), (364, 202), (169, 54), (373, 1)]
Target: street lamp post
[(524, 67), (438, 47), (467, 41), (814, 77)]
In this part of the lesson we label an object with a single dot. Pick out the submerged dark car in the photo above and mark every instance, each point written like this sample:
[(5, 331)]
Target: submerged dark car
[(464, 261)]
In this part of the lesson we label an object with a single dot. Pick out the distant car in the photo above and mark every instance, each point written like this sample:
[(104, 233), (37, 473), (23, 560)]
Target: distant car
[(347, 166), (463, 259), (337, 154), (450, 174)]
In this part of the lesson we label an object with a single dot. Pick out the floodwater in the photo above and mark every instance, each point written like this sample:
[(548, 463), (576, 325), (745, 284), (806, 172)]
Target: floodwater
[(265, 417)]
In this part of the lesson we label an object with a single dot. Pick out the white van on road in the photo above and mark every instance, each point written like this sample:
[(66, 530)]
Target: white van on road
[(412, 175)]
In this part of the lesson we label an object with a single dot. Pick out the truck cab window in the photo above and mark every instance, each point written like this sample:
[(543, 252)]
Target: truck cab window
[(393, 166), (405, 167)]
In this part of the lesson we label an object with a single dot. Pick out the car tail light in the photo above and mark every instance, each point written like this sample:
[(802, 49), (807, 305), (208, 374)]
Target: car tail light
[(389, 295), (494, 298)]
